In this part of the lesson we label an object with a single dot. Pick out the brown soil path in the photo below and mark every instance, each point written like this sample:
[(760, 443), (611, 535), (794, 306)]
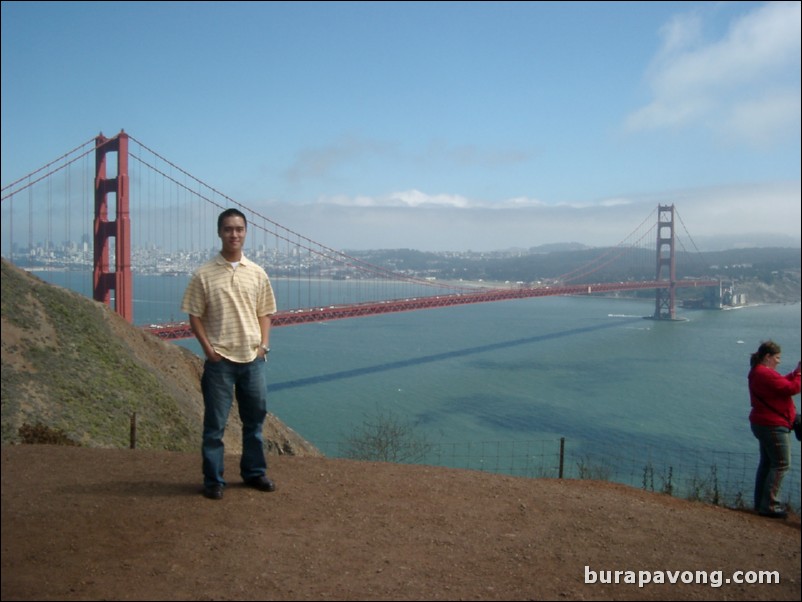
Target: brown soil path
[(90, 524)]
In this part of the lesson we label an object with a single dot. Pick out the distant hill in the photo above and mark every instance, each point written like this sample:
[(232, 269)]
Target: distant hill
[(765, 274), (559, 247), (72, 366)]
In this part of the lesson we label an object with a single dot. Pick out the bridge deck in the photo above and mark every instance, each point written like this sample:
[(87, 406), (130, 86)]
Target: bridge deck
[(182, 330)]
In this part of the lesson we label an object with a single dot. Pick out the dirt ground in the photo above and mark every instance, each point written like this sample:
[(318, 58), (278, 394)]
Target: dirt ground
[(91, 524)]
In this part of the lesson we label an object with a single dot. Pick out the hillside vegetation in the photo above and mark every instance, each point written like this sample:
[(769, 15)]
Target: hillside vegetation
[(73, 369)]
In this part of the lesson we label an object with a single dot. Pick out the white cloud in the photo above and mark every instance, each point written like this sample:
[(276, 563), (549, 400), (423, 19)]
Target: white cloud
[(333, 161), (682, 31), (519, 201), (615, 202), (770, 209), (472, 156), (752, 215), (727, 84), (323, 162), (416, 198), (762, 120)]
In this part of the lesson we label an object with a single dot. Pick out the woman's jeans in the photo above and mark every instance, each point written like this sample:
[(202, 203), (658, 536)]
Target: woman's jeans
[(222, 381), (775, 459)]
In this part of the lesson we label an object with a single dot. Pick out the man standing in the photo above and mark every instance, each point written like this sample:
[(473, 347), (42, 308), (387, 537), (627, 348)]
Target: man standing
[(229, 301)]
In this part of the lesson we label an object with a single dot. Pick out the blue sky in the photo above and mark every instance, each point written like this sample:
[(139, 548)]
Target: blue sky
[(438, 126)]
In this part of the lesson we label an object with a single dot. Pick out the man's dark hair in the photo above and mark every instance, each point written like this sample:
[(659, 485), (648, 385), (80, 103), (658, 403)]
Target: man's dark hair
[(230, 213)]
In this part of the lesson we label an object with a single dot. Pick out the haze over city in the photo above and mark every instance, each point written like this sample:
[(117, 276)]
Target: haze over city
[(437, 125)]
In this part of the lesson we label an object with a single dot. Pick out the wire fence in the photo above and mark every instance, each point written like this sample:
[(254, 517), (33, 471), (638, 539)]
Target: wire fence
[(718, 477)]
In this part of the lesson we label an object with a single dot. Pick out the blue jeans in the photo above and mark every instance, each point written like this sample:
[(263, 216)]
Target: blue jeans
[(222, 381), (775, 459)]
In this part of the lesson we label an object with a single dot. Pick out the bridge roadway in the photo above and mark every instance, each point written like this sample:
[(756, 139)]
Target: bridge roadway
[(182, 330)]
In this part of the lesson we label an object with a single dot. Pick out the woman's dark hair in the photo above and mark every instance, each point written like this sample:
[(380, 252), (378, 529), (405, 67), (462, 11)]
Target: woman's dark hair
[(766, 348), (230, 213)]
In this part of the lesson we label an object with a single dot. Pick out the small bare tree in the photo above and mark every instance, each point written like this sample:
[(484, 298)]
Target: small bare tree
[(385, 437)]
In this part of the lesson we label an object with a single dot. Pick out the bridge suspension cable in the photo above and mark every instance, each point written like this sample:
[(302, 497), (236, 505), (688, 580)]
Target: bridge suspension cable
[(612, 254), (688, 234), (26, 181), (281, 232), (173, 216)]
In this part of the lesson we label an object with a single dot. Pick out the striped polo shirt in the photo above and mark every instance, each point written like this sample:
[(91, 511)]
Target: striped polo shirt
[(229, 302)]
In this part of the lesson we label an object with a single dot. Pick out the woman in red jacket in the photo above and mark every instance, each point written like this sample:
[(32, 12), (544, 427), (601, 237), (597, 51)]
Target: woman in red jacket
[(771, 418)]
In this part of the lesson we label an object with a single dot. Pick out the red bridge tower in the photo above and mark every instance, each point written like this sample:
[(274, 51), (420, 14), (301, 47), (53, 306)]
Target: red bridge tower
[(119, 227), (666, 264)]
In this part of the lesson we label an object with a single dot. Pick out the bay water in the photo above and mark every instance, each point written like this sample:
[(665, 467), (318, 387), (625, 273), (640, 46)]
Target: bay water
[(498, 386)]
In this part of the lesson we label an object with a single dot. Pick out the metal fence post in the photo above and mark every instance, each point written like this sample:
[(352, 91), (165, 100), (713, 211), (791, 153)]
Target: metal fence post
[(562, 455), (133, 430)]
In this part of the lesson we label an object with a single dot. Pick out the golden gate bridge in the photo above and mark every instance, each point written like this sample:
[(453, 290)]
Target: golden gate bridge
[(161, 220)]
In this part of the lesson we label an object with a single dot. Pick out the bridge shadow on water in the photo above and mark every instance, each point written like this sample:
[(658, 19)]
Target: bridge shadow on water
[(436, 357)]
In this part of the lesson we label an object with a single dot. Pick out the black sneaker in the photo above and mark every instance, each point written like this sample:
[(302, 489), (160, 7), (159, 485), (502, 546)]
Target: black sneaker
[(213, 492), (262, 483), (774, 514)]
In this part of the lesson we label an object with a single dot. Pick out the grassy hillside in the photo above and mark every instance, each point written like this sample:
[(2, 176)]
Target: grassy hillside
[(71, 364)]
